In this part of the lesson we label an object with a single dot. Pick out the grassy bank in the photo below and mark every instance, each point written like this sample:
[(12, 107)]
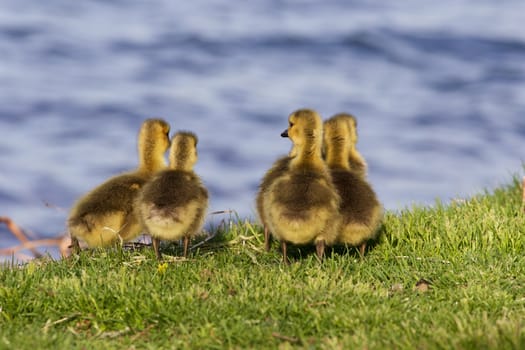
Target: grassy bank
[(450, 276)]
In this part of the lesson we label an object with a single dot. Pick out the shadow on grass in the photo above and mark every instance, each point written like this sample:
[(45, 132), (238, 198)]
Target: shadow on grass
[(299, 252), (232, 233)]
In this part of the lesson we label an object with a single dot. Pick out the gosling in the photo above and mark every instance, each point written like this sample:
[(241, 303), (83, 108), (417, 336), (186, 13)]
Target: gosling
[(360, 211), (173, 204), (279, 168), (356, 161), (106, 215), (301, 205)]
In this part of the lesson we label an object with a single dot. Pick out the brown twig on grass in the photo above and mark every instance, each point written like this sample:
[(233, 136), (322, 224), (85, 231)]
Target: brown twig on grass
[(18, 233), (285, 338), (61, 242), (31, 245)]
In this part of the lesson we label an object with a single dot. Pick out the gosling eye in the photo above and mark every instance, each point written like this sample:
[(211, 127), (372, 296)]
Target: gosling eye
[(290, 124)]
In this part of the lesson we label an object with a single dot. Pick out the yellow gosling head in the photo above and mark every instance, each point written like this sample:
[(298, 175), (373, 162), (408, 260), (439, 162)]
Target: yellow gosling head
[(340, 138), (305, 129), (351, 122), (183, 151), (153, 143)]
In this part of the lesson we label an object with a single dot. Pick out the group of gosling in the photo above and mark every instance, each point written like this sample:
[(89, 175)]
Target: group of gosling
[(317, 194)]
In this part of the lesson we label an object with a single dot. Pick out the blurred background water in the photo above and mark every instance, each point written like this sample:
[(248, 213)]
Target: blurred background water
[(438, 88)]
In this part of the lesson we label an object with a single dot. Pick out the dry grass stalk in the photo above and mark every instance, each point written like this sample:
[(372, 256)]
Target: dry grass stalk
[(62, 242), (18, 233)]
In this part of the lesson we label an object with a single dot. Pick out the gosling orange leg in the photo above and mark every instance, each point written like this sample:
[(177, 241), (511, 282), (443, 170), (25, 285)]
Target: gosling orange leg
[(186, 244), (362, 249), (267, 239), (156, 244), (285, 257), (319, 247)]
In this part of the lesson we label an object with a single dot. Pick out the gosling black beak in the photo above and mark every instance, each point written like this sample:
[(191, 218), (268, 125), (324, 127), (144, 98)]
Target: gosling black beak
[(284, 133)]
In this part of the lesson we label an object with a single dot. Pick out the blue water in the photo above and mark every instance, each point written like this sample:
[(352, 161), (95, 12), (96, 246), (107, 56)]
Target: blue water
[(438, 89)]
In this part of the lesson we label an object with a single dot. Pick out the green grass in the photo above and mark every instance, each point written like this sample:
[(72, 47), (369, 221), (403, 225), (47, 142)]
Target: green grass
[(232, 294)]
